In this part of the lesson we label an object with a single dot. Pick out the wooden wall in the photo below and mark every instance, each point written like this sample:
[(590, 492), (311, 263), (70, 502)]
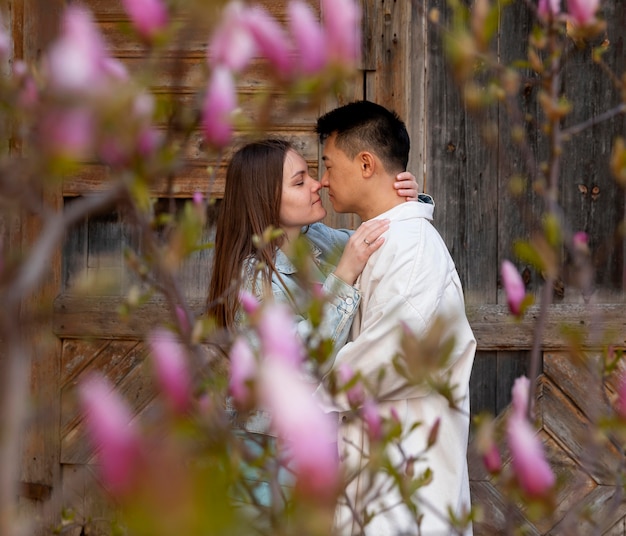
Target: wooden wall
[(404, 68)]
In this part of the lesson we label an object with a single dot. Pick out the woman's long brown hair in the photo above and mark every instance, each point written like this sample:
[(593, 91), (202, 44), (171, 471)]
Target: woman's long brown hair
[(251, 204)]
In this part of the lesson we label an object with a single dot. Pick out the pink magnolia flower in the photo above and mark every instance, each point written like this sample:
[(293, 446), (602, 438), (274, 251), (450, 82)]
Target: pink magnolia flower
[(28, 92), (355, 394), (531, 469), (232, 44), (243, 370), (279, 338), (373, 421), (5, 41), (149, 17), (580, 241), (620, 405), (308, 37), (249, 302), (76, 61), (68, 133), (108, 422), (182, 319), (171, 368), (219, 104), (492, 459), (583, 11), (270, 39), (520, 394), (513, 286), (341, 19), (309, 433), (549, 8)]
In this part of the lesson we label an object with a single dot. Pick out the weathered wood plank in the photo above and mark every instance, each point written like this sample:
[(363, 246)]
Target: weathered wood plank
[(592, 200), (76, 316), (568, 425), (496, 511)]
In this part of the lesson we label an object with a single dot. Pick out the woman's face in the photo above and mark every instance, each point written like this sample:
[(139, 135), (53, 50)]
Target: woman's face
[(301, 203)]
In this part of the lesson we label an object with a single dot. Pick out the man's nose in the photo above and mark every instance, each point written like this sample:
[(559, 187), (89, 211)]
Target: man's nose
[(324, 181)]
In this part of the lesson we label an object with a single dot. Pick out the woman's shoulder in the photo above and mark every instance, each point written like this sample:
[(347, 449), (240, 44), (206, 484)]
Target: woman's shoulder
[(325, 237)]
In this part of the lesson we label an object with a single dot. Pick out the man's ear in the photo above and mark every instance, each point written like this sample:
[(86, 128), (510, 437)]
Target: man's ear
[(367, 162)]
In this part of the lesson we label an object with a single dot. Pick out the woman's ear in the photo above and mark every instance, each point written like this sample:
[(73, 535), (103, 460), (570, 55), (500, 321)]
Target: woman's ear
[(367, 163)]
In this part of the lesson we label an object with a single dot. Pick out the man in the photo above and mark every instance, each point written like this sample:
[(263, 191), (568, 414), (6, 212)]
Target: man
[(410, 280)]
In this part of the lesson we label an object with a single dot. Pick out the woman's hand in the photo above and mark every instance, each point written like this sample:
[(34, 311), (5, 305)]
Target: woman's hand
[(365, 240), (406, 186)]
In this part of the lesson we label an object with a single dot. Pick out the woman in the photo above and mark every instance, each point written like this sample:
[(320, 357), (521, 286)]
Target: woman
[(268, 186)]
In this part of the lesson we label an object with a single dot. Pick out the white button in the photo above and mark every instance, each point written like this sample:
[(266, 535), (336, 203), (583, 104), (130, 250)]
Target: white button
[(349, 301)]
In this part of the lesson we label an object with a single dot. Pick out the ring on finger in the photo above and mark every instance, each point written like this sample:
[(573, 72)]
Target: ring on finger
[(367, 242)]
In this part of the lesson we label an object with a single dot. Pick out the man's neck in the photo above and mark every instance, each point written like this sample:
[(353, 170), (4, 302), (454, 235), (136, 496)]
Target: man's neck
[(381, 206)]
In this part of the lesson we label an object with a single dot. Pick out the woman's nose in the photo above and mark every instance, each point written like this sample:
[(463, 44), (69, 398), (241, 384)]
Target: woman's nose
[(316, 186)]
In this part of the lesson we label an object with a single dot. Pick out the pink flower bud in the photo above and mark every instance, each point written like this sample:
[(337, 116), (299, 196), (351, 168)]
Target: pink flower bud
[(583, 11), (513, 286), (232, 44), (219, 104), (308, 37), (149, 17), (5, 42), (243, 370), (520, 394), (279, 337), (355, 394), (171, 368), (531, 469), (492, 459), (549, 8), (182, 319), (373, 421), (67, 133), (270, 39), (341, 20), (76, 60), (107, 419), (620, 404), (580, 241), (249, 302), (309, 433)]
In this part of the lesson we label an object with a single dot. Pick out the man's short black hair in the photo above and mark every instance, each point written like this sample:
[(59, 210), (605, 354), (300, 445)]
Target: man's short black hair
[(367, 126)]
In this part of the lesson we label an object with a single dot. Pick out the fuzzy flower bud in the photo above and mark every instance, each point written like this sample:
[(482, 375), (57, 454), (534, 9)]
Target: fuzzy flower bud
[(620, 405), (243, 370), (249, 302), (5, 41), (270, 39), (149, 17), (549, 8), (219, 104), (171, 368), (583, 11), (308, 37), (373, 421), (520, 394), (531, 469), (232, 45), (341, 20), (76, 60), (279, 337), (310, 434), (108, 425), (513, 286), (355, 394)]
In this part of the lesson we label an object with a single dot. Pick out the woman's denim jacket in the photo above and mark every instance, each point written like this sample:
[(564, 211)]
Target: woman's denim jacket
[(343, 300)]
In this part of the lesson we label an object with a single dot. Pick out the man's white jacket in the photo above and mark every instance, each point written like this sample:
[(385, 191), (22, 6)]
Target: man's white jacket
[(411, 280)]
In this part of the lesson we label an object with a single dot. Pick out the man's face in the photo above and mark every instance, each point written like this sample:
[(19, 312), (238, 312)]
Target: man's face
[(341, 176)]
